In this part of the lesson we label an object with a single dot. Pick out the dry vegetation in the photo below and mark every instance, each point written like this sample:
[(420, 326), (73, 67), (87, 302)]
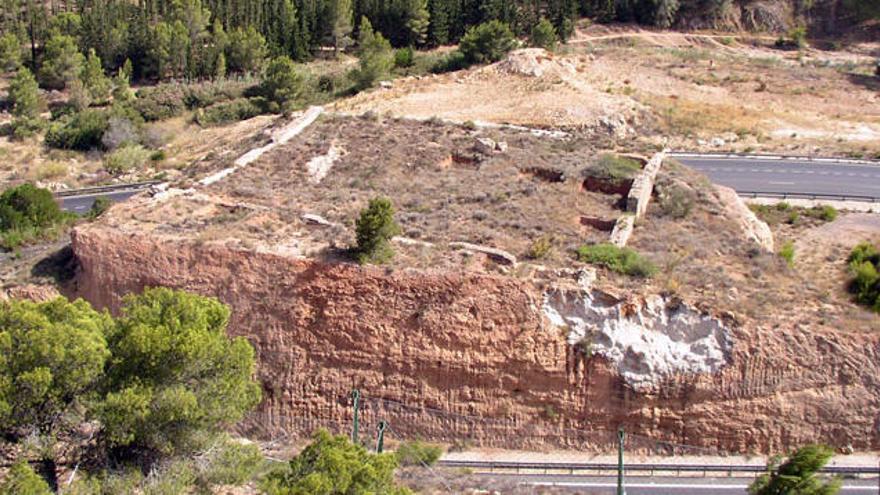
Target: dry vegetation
[(526, 201), (704, 92), (705, 259)]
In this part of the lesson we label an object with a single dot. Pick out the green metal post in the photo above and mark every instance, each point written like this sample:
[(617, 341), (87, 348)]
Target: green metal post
[(621, 436), (380, 439), (356, 399)]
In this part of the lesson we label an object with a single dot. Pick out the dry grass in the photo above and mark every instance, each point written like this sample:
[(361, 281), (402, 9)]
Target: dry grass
[(443, 191)]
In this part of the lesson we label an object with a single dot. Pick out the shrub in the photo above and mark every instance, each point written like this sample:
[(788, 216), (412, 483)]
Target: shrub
[(488, 42), (99, 207), (826, 213), (10, 52), (49, 171), (376, 58), (246, 50), (94, 79), (83, 131), (621, 260), (375, 229), (282, 82), (540, 248), (231, 111), (418, 453), (160, 102), (614, 167), (797, 474), (451, 62), (120, 132), (22, 480), (126, 158), (787, 253), (404, 57), (544, 35), (865, 284), (27, 206), (232, 463), (677, 201), (332, 464)]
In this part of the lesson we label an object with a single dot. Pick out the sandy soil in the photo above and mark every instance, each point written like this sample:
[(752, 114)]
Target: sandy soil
[(701, 91)]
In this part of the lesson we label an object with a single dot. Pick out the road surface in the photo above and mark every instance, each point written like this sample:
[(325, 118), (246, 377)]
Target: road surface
[(657, 485), (83, 203), (799, 176)]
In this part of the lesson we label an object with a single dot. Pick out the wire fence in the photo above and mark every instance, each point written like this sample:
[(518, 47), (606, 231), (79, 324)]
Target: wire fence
[(458, 431)]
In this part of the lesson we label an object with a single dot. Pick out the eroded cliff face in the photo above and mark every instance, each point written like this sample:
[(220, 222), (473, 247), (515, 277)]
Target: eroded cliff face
[(473, 344)]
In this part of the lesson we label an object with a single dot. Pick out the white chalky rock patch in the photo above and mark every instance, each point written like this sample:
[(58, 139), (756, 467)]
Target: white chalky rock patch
[(646, 341), (319, 166)]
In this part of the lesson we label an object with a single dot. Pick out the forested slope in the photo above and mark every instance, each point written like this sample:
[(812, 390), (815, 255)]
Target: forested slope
[(195, 38)]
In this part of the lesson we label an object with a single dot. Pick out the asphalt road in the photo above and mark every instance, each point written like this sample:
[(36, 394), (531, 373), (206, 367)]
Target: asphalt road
[(790, 175), (651, 485), (82, 204)]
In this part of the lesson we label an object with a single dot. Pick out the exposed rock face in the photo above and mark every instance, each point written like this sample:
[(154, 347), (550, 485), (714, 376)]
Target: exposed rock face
[(480, 345), (751, 225)]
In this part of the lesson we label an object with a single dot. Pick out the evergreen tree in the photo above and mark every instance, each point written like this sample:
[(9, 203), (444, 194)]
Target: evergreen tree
[(438, 29), (24, 95), (282, 83), (342, 23), (93, 78), (246, 51), (62, 62), (544, 35), (10, 52), (22, 480)]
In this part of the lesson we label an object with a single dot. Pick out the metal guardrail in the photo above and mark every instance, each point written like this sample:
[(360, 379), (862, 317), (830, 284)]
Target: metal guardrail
[(771, 157), (812, 196), (652, 468), (107, 189)]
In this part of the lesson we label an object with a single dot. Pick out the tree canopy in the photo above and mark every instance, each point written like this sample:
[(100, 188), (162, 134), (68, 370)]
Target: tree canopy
[(333, 465), (797, 474), (161, 379)]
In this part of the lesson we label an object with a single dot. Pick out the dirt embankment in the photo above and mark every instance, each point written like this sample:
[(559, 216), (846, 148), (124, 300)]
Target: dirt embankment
[(481, 345)]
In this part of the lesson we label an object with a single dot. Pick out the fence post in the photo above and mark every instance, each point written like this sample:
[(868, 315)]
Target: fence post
[(380, 439), (356, 399), (621, 436)]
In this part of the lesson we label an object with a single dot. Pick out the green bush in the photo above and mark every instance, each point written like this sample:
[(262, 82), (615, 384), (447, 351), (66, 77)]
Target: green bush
[(231, 111), (376, 58), (863, 268), (453, 61), (375, 229), (488, 42), (418, 453), (544, 35), (99, 207), (62, 62), (333, 465), (11, 53), (621, 260), (22, 480), (28, 206), (161, 102), (232, 463), (82, 131), (826, 213), (677, 201), (787, 253), (126, 158), (404, 57), (798, 474), (614, 167), (282, 83)]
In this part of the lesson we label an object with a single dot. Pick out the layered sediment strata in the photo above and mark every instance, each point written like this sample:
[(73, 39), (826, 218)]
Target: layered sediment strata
[(505, 350)]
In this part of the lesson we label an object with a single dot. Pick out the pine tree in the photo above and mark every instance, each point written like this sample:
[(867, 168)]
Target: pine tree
[(93, 78), (438, 30), (62, 62), (342, 23), (24, 95)]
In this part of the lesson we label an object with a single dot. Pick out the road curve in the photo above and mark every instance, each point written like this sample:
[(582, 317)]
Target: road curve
[(81, 204), (833, 180)]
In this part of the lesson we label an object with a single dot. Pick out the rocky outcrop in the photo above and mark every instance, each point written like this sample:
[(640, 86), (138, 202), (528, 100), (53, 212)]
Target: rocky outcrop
[(752, 227), (477, 357)]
